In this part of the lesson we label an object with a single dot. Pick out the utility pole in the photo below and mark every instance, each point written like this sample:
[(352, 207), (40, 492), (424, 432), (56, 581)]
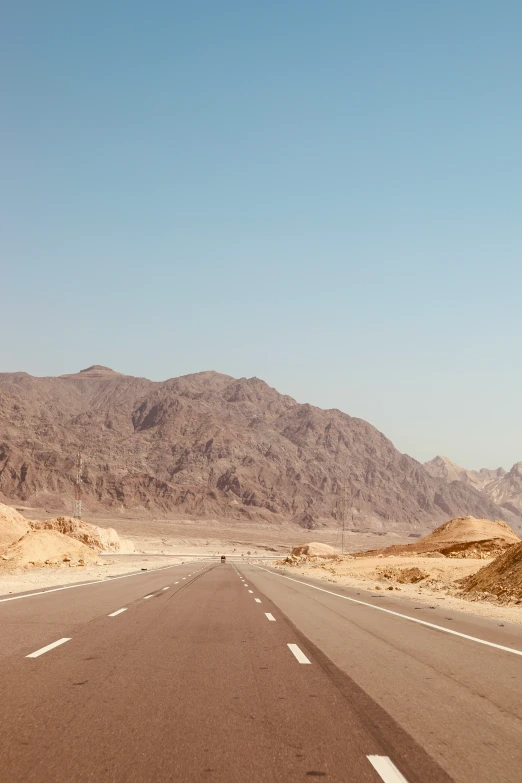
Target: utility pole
[(342, 507), (78, 487)]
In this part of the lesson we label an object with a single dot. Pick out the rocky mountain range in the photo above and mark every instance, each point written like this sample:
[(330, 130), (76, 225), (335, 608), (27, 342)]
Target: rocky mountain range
[(211, 445), (500, 486), (445, 469)]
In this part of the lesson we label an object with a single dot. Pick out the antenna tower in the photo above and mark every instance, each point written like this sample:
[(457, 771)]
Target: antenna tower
[(78, 487)]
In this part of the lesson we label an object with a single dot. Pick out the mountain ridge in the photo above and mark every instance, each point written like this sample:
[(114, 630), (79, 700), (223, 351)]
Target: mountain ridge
[(208, 444), (501, 486), (442, 467)]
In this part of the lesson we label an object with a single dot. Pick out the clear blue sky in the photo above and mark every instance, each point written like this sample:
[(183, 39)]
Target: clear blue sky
[(323, 194)]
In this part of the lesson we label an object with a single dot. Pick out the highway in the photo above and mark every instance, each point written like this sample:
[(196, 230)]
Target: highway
[(235, 672)]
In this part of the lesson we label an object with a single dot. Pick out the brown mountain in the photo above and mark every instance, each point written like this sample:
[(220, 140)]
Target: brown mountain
[(444, 468), (504, 489), (209, 444)]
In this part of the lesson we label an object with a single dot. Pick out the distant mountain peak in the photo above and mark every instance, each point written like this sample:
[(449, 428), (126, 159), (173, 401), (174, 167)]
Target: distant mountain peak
[(443, 468), (99, 369), (95, 371)]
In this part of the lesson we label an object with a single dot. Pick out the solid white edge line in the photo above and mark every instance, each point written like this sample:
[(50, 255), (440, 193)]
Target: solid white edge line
[(43, 650), (113, 614), (386, 769), (257, 600), (398, 614), (270, 617), (299, 654), (106, 581)]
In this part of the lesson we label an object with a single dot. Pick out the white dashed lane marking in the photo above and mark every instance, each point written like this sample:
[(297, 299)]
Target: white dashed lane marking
[(48, 647), (164, 588), (250, 591), (147, 596), (270, 617), (299, 654), (257, 600), (119, 611), (386, 769)]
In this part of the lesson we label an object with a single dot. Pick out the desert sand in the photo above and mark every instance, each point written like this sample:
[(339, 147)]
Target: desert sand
[(473, 565), (160, 542), (368, 574), (156, 543)]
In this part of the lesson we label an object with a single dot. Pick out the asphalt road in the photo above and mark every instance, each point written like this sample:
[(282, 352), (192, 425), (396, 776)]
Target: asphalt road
[(241, 673)]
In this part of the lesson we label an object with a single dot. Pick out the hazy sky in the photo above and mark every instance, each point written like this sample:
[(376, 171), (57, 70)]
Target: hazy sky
[(323, 194)]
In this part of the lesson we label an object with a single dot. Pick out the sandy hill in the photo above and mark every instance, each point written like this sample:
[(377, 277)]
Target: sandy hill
[(100, 539), (210, 445), (465, 529), (463, 535), (54, 541), (12, 526), (46, 547), (502, 577)]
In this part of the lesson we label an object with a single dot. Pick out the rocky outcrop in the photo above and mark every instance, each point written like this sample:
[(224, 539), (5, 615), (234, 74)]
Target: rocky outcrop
[(12, 526), (501, 579), (53, 542), (41, 548), (99, 538), (314, 549)]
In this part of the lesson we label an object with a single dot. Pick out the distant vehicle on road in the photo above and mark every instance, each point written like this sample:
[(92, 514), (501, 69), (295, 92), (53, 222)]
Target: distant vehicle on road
[(223, 559)]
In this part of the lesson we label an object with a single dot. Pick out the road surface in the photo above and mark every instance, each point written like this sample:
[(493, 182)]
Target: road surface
[(243, 673)]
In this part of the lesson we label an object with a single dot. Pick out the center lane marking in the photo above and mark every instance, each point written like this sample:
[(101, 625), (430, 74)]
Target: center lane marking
[(299, 654), (386, 769), (119, 611), (48, 647)]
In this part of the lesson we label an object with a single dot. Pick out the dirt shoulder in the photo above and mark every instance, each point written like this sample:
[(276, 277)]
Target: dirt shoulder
[(23, 580), (382, 573)]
